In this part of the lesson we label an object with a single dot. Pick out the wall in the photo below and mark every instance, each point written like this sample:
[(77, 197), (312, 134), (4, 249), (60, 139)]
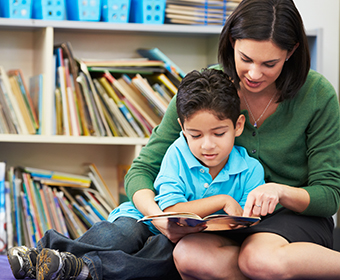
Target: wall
[(323, 16)]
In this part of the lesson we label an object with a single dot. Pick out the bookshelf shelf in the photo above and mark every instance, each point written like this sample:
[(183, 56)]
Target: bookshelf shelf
[(58, 139), (33, 24)]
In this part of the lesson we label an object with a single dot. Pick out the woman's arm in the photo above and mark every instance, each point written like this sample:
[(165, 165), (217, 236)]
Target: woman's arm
[(145, 167)]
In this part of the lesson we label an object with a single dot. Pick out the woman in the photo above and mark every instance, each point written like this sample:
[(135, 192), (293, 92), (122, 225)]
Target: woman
[(293, 128)]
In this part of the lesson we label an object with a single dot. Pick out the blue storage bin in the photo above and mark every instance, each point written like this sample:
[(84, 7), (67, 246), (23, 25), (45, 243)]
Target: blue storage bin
[(116, 10), (49, 9), (83, 10), (21, 9), (147, 11)]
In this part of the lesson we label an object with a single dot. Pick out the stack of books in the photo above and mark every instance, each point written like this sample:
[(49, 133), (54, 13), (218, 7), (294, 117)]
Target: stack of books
[(199, 12), (34, 200), (18, 114), (122, 97), (114, 98)]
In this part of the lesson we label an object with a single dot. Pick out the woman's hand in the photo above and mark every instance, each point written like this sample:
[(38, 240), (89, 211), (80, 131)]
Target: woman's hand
[(173, 231), (263, 200)]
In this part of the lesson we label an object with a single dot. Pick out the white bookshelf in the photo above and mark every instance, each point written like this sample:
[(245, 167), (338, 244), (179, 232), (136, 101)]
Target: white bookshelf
[(28, 45)]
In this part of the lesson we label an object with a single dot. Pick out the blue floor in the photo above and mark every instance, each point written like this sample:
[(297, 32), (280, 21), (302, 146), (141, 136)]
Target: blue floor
[(5, 269)]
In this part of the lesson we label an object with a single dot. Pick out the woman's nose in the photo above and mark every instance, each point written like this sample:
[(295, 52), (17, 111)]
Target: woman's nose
[(255, 72)]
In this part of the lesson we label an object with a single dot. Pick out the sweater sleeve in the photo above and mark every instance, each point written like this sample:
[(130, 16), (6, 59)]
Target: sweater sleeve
[(145, 167), (323, 142)]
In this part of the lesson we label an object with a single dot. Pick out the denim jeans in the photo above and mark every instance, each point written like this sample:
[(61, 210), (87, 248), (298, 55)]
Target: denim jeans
[(120, 250)]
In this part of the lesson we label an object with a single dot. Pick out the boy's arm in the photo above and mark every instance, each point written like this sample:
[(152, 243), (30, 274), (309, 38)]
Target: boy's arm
[(208, 205)]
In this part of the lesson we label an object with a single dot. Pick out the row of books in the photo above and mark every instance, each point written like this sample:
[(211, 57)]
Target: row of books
[(123, 97), (33, 201), (18, 105), (199, 12)]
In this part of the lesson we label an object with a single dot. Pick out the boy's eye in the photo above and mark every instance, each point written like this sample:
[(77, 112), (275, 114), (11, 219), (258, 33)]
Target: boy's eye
[(219, 134), (196, 136)]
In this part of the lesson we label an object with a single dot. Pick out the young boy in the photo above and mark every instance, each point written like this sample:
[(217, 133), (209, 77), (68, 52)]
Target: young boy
[(202, 172)]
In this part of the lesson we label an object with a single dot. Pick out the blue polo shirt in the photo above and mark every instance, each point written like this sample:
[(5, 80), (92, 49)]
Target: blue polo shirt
[(183, 178)]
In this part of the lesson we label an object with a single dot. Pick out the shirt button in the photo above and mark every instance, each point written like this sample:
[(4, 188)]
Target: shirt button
[(206, 185), (253, 151), (202, 170), (254, 133)]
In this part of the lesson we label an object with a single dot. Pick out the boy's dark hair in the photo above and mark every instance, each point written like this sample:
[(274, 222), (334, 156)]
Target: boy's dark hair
[(262, 20), (210, 90)]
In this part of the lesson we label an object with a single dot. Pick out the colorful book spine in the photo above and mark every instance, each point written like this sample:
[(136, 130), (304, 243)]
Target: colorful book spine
[(3, 233)]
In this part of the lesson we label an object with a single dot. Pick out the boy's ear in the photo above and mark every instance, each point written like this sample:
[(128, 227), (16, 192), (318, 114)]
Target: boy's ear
[(240, 125), (180, 123)]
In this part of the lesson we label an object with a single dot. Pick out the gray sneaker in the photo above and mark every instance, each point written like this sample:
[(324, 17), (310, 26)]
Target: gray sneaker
[(52, 264), (23, 261)]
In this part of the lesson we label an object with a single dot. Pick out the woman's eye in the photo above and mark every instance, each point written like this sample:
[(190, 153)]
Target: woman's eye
[(245, 60), (270, 65)]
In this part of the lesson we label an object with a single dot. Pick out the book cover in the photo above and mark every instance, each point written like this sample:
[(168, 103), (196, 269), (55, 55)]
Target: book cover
[(9, 215), (93, 213), (112, 119), (3, 232), (213, 222), (32, 207), (28, 222), (22, 104), (80, 210), (169, 85), (40, 207), (47, 211), (36, 94), (102, 187), (98, 129), (105, 129), (98, 201), (138, 101), (154, 98), (8, 116), (60, 214), (75, 129), (67, 52), (11, 99), (84, 181), (122, 169), (70, 217), (17, 73), (133, 62), (53, 208), (122, 107), (115, 109), (157, 54)]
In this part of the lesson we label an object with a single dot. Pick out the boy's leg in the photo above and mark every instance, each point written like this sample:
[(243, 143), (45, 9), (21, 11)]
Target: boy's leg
[(118, 250)]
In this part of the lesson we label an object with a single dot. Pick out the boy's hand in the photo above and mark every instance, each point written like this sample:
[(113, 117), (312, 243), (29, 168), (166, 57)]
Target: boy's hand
[(232, 207), (173, 231)]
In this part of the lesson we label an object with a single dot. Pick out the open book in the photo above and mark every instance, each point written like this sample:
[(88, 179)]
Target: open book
[(213, 222)]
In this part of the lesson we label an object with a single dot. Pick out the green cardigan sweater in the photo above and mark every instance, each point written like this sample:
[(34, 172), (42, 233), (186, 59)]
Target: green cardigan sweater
[(298, 145)]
